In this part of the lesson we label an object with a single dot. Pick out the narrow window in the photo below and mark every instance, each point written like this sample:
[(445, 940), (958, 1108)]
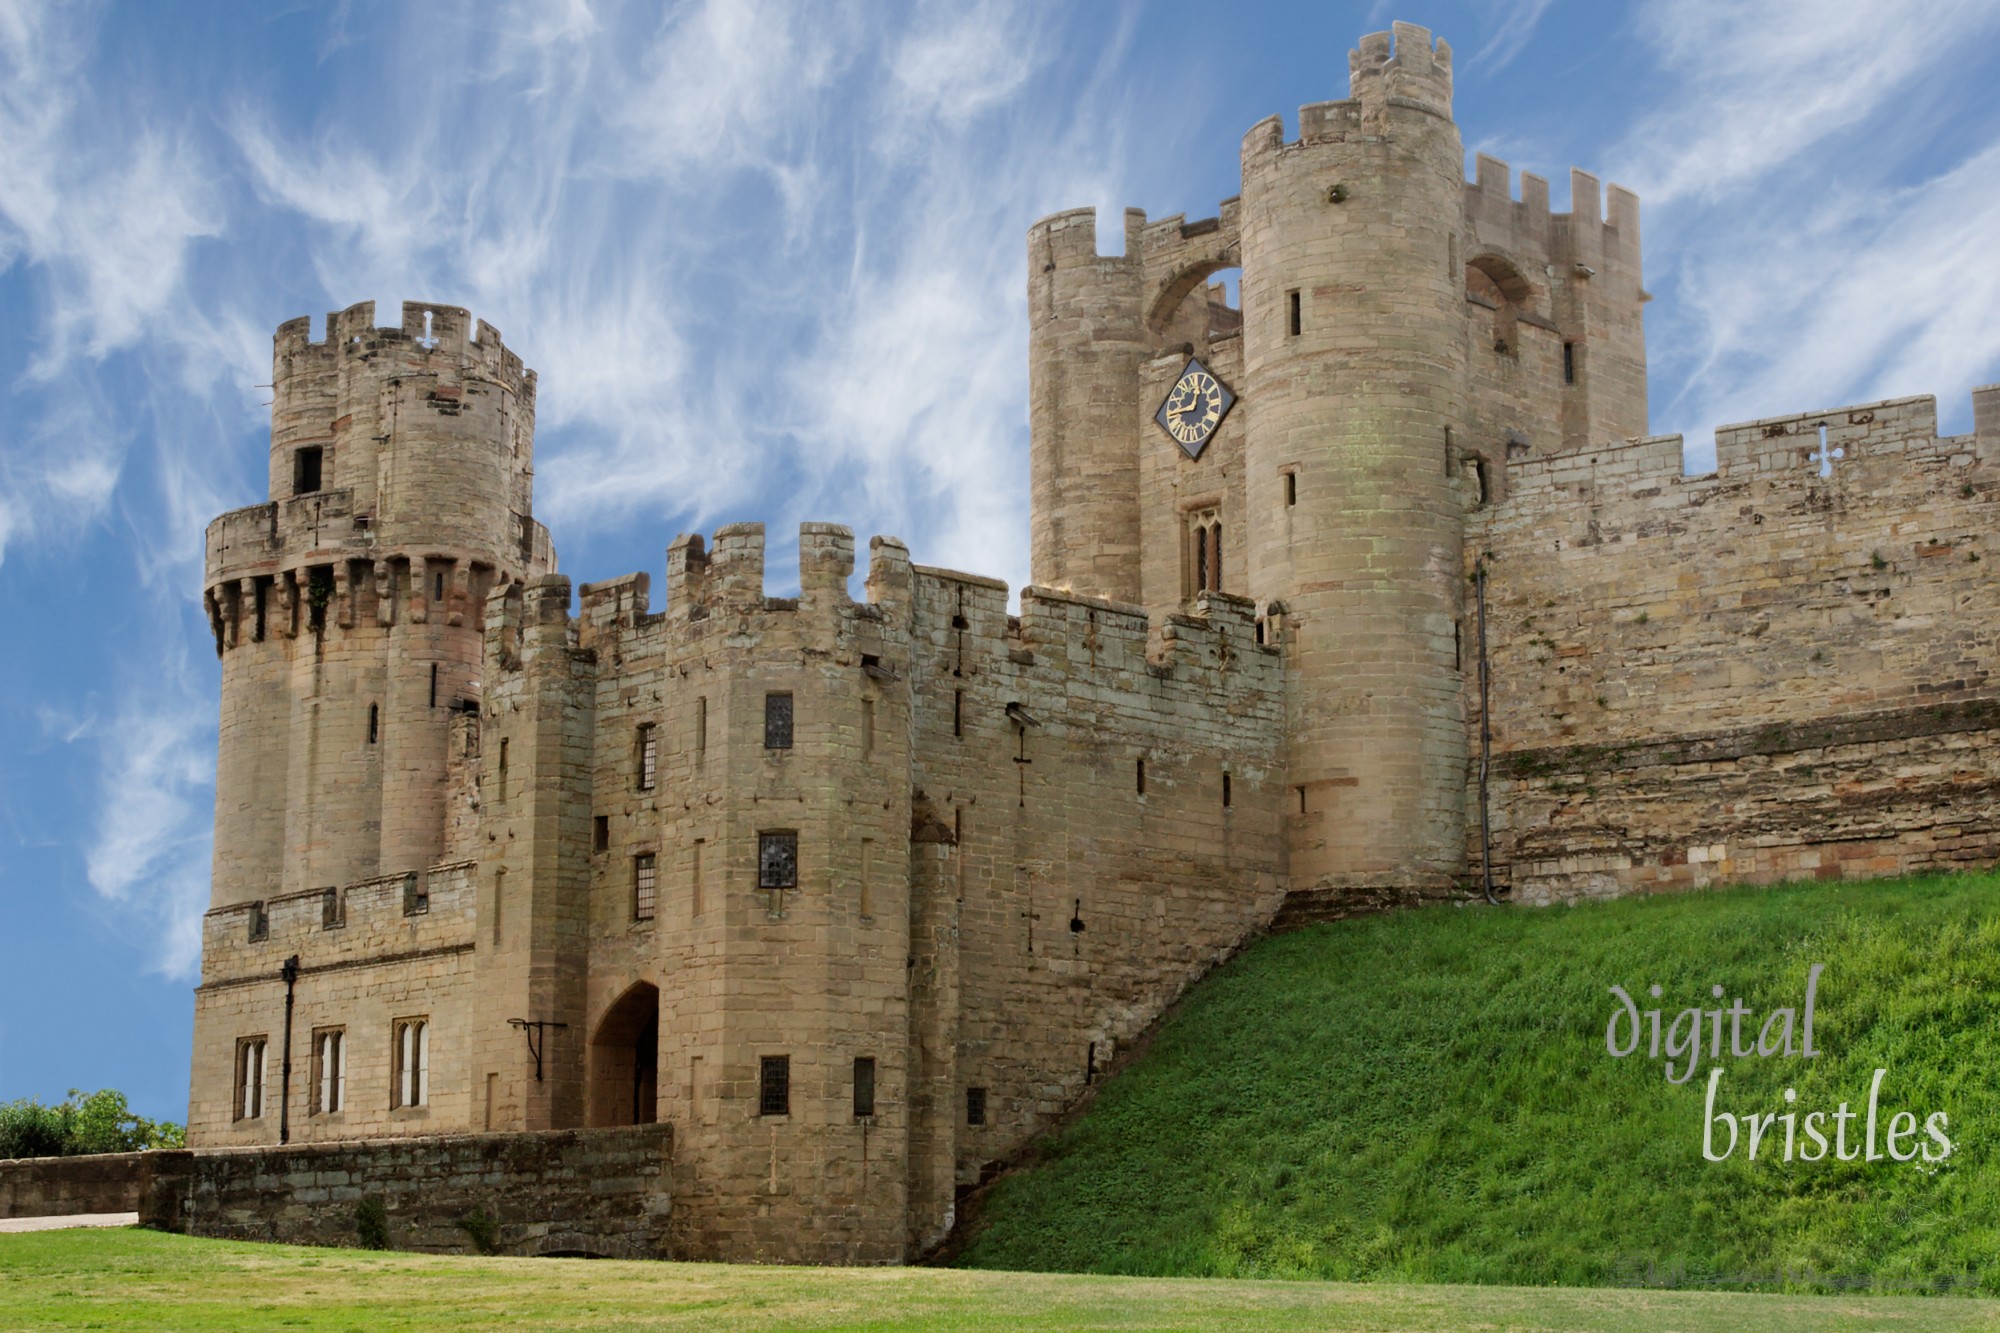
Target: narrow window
[(648, 763), (868, 877), (257, 633), (1457, 646), (329, 1072), (332, 909), (1479, 482), (1302, 798), (864, 1086), (492, 1096), (1292, 302), (499, 900), (700, 728), (500, 785), (260, 923), (374, 723), (1203, 570), (1141, 776), (1569, 363), (867, 728), (252, 1064), (434, 685), (1225, 791), (777, 860), (645, 886), (774, 1085), (319, 595), (778, 721), (1447, 451), (413, 1063), (975, 1106), (694, 876), (437, 586), (600, 833), (1260, 631), (416, 894), (306, 469), (1291, 489), (958, 713)]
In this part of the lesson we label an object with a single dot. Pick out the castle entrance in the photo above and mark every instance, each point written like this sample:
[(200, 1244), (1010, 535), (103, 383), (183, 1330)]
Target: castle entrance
[(625, 1060)]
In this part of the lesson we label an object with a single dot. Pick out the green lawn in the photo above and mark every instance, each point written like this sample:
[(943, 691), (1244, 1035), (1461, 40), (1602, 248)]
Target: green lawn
[(140, 1280), (1426, 1097)]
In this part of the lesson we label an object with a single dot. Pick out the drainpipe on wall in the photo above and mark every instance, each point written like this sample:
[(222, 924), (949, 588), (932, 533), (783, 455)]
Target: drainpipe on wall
[(290, 972), (1485, 741)]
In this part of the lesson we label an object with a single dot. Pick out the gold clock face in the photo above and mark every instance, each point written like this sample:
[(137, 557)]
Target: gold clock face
[(1194, 407)]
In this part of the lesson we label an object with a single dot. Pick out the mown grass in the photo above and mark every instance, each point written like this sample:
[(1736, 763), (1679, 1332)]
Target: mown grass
[(1427, 1097), (127, 1280)]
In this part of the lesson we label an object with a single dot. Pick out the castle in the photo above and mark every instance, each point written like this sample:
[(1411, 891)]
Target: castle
[(1369, 591)]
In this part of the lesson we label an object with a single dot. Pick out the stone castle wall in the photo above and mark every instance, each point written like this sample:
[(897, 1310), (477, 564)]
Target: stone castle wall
[(372, 954), (950, 769), (1754, 674), (601, 1193)]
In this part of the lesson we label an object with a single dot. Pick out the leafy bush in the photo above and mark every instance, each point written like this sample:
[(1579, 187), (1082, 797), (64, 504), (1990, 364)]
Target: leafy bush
[(371, 1223), (95, 1122)]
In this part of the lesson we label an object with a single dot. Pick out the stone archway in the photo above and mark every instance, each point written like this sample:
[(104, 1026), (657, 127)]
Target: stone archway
[(625, 1060)]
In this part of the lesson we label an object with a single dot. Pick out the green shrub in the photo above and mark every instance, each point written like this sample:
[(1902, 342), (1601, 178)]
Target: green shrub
[(371, 1223), (483, 1229), (30, 1129), (95, 1122)]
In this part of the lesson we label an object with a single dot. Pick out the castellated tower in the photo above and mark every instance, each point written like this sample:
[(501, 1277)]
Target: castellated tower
[(1405, 336), (1353, 304), (1086, 340), (347, 608)]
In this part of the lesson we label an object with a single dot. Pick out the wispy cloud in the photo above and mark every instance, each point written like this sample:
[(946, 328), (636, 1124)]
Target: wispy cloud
[(1517, 25), (1802, 267), (1761, 83), (149, 847), (100, 203)]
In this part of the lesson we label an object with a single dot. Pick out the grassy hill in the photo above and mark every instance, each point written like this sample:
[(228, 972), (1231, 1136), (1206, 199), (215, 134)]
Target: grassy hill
[(1428, 1096)]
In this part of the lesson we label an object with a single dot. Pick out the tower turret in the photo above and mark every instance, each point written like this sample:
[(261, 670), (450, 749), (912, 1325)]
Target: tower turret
[(1354, 370), (347, 609), (1086, 340)]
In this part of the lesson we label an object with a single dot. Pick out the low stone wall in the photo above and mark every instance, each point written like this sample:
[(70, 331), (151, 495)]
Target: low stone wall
[(601, 1192), (67, 1186)]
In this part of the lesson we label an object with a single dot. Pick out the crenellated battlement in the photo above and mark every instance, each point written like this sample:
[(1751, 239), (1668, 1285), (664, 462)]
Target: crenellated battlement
[(381, 918), (431, 336), (1526, 228), (716, 596), (1402, 67), (1872, 446)]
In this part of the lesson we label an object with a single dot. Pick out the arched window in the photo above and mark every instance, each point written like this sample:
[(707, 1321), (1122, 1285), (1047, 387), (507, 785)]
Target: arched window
[(1203, 543), (1492, 282)]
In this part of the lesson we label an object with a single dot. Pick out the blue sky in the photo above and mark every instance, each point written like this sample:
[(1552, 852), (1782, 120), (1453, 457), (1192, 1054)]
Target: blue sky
[(769, 262)]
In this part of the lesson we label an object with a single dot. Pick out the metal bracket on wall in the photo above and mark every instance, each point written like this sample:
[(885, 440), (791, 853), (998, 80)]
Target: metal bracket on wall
[(534, 1028)]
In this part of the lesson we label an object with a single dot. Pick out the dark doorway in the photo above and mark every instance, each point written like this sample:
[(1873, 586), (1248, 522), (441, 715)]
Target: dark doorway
[(625, 1060)]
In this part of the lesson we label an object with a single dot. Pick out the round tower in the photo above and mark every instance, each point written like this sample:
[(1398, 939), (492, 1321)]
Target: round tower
[(1086, 340), (347, 609), (1354, 358)]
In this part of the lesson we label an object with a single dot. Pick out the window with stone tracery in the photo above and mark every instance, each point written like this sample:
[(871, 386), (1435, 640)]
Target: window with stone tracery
[(1202, 543), (253, 1062)]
